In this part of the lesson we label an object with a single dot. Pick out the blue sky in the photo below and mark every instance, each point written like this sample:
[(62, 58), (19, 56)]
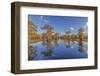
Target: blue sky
[(61, 24)]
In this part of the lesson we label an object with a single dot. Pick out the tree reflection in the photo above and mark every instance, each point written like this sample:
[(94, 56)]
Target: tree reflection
[(32, 52), (50, 44), (81, 46), (49, 47), (68, 44), (56, 42)]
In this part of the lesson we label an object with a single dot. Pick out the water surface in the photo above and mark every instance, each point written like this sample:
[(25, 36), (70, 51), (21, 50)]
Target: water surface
[(51, 50)]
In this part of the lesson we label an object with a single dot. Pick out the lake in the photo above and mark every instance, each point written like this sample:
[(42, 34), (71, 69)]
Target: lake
[(59, 49)]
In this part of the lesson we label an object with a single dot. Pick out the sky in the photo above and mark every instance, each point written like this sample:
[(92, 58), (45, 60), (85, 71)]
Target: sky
[(61, 24)]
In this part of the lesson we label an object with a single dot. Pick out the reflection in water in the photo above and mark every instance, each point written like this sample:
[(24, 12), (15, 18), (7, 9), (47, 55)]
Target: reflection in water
[(32, 52), (68, 44), (47, 53), (56, 42), (49, 45), (82, 47), (48, 48)]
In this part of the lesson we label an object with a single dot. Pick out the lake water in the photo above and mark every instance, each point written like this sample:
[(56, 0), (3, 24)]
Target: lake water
[(59, 49)]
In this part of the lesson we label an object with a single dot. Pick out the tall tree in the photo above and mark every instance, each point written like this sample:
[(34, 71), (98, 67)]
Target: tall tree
[(31, 26)]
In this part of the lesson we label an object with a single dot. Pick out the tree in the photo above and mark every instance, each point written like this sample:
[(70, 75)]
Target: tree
[(56, 35), (48, 29), (68, 35), (81, 34), (32, 27)]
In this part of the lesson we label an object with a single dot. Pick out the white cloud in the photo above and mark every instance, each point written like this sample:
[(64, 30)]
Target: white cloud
[(71, 28), (42, 18)]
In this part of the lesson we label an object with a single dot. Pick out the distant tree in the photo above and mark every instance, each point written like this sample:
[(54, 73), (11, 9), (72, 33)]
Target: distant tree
[(81, 34), (68, 35), (56, 35), (32, 27), (47, 27)]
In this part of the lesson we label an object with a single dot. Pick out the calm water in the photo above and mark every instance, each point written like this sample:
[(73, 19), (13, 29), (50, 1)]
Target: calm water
[(59, 49)]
